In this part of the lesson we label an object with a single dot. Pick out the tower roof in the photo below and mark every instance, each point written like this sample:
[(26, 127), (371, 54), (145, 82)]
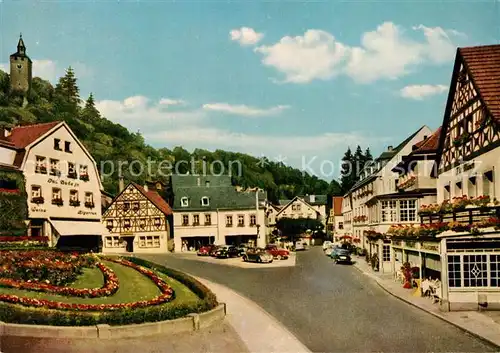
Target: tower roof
[(21, 49)]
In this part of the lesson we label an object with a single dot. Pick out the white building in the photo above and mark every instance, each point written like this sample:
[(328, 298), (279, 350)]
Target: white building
[(209, 210), (309, 206), (62, 182)]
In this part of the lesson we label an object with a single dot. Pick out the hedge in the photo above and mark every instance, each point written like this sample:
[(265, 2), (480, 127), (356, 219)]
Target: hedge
[(24, 315)]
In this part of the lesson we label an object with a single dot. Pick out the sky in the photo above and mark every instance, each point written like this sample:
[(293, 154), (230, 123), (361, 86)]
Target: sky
[(295, 81)]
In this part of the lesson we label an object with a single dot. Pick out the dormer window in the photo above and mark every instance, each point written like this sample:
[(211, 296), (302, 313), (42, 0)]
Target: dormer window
[(57, 144), (184, 202), (67, 146), (205, 201)]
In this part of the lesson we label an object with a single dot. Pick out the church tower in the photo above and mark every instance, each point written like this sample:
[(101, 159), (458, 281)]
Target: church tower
[(20, 69)]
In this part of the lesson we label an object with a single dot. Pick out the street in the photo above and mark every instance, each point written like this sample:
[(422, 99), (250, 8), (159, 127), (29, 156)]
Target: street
[(334, 308)]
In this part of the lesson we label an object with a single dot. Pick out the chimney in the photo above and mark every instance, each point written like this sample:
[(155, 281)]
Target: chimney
[(146, 187), (121, 184), (389, 148)]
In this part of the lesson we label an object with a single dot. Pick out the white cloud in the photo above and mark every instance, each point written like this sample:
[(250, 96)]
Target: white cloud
[(388, 52), (51, 70), (419, 92), (244, 110), (168, 101), (245, 36), (140, 112)]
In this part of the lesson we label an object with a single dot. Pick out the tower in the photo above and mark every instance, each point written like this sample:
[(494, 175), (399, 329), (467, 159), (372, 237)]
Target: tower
[(20, 69)]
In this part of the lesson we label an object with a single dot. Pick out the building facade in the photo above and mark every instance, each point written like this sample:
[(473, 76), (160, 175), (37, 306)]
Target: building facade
[(309, 206), (62, 182), (335, 223), (210, 210), (138, 221)]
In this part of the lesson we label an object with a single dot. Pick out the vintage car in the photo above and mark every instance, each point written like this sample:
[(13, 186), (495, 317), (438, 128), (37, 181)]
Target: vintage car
[(340, 255), (257, 255), (226, 251), (278, 253), (205, 250)]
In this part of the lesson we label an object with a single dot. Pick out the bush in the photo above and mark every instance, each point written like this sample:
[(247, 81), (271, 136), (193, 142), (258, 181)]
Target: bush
[(32, 316)]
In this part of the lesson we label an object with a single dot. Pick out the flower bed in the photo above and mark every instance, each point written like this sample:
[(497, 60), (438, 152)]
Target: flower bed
[(39, 312), (111, 285)]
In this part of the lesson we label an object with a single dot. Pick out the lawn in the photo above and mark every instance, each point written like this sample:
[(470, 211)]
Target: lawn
[(133, 287)]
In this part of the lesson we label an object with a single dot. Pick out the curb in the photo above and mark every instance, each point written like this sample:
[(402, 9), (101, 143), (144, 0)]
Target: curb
[(487, 340)]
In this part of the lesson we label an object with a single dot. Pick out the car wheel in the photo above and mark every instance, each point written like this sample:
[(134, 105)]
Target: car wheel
[(259, 259), (245, 258), (278, 257)]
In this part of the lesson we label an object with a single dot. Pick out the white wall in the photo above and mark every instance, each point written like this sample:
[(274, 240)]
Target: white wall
[(7, 155)]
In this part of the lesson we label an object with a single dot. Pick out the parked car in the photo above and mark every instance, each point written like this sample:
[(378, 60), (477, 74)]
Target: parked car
[(277, 253), (213, 251), (327, 244), (242, 249), (257, 255), (328, 250), (205, 250), (299, 246), (340, 255), (226, 251)]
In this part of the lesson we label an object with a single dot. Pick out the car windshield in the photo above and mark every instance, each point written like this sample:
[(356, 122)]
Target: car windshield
[(342, 252)]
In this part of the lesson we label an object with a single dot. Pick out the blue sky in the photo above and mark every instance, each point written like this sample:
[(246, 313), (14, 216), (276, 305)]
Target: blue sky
[(290, 80)]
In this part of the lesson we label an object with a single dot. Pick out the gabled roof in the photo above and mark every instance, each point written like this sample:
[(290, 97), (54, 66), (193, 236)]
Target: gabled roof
[(483, 63), (294, 199), (155, 198), (337, 205), (430, 144), (22, 136)]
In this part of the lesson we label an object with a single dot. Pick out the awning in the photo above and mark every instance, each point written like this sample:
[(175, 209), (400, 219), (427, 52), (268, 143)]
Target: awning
[(68, 228)]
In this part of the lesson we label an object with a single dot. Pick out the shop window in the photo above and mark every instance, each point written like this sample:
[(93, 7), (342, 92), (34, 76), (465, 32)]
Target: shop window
[(495, 270), (386, 253), (475, 271)]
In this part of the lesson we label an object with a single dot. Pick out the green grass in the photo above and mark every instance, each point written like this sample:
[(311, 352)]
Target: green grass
[(133, 287)]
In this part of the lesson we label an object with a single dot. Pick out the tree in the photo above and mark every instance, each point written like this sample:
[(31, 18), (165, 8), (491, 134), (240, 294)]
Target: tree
[(368, 155), (348, 177), (67, 87), (90, 112)]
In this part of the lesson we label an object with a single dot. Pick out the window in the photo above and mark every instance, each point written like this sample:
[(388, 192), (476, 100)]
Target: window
[(388, 211), (135, 206), (207, 183), (73, 195), (67, 146), (471, 187), (447, 195), (126, 223), (89, 200), (204, 201), (208, 219), (109, 224), (184, 202), (309, 215), (36, 191), (297, 207), (475, 271), (458, 189), (54, 167), (71, 170), (253, 220), (386, 253), (84, 173), (229, 221), (157, 222), (149, 242), (293, 207), (142, 223), (126, 206), (341, 225), (114, 242), (41, 165), (495, 270), (241, 220), (488, 183), (185, 220), (196, 219), (407, 210), (57, 144), (56, 194)]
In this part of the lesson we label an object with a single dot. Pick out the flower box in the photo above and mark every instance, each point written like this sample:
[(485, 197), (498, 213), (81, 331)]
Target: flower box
[(37, 200), (84, 177), (74, 203), (89, 204), (41, 169), (55, 172), (58, 202), (72, 175)]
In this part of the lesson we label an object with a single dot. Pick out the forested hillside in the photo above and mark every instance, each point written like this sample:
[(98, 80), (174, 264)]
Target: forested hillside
[(108, 141)]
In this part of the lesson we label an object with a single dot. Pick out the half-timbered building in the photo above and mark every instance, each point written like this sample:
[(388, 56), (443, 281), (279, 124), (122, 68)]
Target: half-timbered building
[(138, 220), (468, 187)]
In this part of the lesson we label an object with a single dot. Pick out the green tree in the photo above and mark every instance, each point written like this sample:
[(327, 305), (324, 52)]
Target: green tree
[(348, 177), (90, 112)]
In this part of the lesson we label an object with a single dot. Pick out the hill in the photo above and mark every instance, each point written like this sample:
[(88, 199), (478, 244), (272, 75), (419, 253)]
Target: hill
[(111, 142)]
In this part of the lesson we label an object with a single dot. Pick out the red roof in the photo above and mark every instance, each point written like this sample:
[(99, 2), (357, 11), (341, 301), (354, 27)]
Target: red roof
[(156, 199), (22, 136), (484, 67), (337, 205), (430, 144)]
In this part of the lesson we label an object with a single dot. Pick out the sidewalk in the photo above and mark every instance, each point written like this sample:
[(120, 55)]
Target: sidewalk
[(484, 325), (258, 330)]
